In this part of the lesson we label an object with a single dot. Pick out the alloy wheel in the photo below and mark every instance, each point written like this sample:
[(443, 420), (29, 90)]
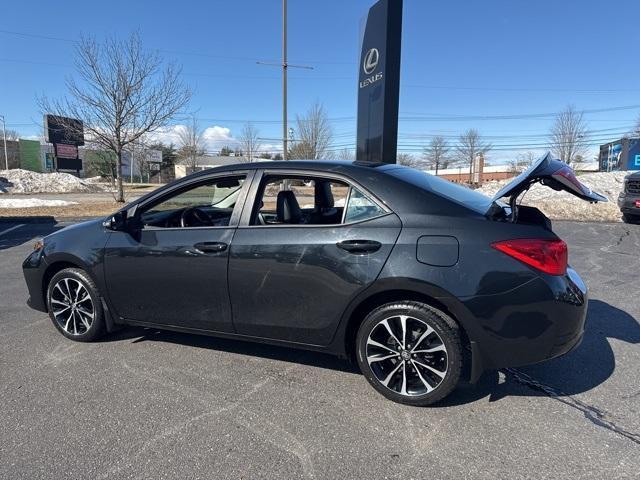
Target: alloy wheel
[(406, 355), (72, 306)]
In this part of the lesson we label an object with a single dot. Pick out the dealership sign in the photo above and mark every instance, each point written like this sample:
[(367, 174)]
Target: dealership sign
[(69, 131), (65, 151), (379, 83), (66, 134)]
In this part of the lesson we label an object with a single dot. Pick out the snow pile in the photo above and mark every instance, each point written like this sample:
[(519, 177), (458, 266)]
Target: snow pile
[(25, 181), (564, 206), (32, 202)]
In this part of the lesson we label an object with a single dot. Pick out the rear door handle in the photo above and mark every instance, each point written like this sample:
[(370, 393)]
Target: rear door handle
[(359, 247), (210, 247)]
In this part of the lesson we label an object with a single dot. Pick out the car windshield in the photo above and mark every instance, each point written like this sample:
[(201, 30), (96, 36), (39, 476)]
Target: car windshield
[(452, 191)]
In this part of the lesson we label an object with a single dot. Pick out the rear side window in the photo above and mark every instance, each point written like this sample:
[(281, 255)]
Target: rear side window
[(452, 191), (310, 200), (361, 207)]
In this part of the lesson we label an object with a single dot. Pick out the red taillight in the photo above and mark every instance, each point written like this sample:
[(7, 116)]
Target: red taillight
[(549, 256), (568, 177)]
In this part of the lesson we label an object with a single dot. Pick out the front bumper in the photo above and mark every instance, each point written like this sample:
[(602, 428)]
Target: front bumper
[(535, 322), (34, 268), (627, 203)]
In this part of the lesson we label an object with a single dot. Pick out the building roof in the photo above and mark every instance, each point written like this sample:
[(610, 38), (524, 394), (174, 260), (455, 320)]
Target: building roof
[(464, 170), (211, 161)]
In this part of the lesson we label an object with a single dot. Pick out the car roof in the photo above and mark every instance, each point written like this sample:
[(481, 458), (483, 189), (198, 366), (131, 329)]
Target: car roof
[(327, 165)]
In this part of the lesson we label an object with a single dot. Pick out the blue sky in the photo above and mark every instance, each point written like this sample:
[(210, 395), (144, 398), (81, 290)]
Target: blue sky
[(465, 64)]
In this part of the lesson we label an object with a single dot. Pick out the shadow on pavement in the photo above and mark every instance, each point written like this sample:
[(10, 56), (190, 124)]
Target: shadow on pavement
[(271, 352), (583, 369)]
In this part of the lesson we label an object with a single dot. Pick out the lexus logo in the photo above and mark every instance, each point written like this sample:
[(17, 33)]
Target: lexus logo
[(371, 60)]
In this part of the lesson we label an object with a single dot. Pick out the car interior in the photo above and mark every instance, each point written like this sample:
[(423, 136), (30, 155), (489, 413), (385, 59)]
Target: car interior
[(207, 205), (283, 200), (300, 201)]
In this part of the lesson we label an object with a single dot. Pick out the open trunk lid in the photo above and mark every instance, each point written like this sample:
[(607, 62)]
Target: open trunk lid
[(552, 173)]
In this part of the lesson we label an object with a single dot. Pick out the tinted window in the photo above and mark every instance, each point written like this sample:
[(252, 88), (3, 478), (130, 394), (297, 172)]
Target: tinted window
[(207, 204), (361, 207), (452, 191), (303, 201)]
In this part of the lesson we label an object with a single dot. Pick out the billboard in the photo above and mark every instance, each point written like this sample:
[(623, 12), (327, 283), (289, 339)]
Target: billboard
[(633, 157), (623, 154), (65, 130), (379, 83)]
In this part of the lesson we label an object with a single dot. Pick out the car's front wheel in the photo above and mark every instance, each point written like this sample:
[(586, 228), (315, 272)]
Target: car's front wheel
[(410, 352), (74, 305)]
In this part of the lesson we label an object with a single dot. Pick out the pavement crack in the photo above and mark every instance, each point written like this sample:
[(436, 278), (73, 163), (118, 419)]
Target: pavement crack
[(595, 415)]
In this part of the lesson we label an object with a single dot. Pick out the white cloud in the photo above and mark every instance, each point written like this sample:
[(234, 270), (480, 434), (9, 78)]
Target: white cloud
[(215, 137)]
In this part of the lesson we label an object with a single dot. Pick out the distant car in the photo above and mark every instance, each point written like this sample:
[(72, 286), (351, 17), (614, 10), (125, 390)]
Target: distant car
[(422, 281), (629, 199)]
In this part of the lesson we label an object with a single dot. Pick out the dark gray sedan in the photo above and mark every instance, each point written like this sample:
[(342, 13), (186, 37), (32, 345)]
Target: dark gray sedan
[(421, 281)]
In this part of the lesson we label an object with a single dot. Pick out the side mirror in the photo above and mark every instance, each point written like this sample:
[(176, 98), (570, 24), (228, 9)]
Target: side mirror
[(116, 222)]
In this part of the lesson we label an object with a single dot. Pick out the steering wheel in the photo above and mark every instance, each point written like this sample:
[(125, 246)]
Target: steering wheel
[(194, 213)]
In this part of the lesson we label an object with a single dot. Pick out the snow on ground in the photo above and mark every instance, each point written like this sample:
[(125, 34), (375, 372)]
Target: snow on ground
[(25, 181), (32, 202), (564, 206)]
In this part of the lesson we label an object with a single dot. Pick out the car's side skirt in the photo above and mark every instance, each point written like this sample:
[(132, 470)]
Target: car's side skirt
[(235, 336)]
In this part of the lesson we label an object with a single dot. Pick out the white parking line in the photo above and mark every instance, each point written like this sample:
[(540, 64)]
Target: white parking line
[(11, 229)]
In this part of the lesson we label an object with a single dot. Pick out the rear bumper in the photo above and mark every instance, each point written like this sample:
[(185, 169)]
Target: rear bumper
[(538, 321)]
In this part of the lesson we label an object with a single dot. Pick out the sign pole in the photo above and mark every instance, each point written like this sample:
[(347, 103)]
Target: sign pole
[(379, 84)]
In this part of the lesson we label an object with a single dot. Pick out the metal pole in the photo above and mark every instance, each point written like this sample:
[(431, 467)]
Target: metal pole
[(4, 139), (285, 130)]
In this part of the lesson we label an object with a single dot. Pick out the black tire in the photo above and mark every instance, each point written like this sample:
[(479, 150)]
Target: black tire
[(634, 219), (419, 316), (60, 291)]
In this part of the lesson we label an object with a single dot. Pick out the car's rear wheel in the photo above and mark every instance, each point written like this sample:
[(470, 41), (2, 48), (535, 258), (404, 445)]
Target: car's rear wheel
[(410, 352), (74, 305), (626, 218)]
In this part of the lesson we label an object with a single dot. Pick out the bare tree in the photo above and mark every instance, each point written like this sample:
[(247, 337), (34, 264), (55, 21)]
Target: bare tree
[(249, 142), (142, 157), (121, 92), (407, 160), (436, 153), (568, 135), (470, 145), (635, 133), (345, 154), (11, 135), (522, 161), (314, 134), (191, 143)]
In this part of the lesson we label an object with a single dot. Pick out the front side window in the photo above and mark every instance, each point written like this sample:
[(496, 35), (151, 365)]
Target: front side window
[(208, 204)]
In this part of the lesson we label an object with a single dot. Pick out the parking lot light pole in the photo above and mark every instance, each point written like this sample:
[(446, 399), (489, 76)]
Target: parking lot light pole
[(4, 141)]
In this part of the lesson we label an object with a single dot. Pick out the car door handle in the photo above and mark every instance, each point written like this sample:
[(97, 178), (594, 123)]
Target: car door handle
[(359, 247), (210, 247)]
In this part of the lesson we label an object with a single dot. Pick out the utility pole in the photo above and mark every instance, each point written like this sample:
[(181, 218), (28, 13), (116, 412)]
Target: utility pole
[(285, 67), (285, 130), (4, 140)]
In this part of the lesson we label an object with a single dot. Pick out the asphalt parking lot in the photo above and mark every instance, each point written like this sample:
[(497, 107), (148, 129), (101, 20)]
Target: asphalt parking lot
[(151, 404)]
